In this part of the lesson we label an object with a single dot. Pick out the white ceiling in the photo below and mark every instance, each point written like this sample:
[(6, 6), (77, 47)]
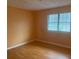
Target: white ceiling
[(38, 4)]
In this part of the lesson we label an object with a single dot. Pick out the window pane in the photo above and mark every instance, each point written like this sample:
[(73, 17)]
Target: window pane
[(65, 17), (64, 27), (53, 18), (52, 22), (52, 26)]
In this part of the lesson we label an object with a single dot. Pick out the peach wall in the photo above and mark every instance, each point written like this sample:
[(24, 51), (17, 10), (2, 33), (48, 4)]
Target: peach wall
[(62, 38), (19, 26)]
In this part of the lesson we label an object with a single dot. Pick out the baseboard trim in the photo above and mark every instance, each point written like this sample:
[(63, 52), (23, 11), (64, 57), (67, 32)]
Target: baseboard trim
[(54, 43), (18, 45)]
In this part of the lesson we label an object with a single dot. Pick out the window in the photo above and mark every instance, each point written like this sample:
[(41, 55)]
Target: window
[(59, 22)]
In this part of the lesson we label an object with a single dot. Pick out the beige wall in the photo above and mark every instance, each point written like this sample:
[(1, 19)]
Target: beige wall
[(24, 25), (20, 26), (45, 35)]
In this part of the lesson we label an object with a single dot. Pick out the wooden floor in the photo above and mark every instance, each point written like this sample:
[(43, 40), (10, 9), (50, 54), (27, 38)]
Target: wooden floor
[(38, 50)]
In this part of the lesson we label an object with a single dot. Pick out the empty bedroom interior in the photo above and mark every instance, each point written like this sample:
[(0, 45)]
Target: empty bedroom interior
[(39, 29)]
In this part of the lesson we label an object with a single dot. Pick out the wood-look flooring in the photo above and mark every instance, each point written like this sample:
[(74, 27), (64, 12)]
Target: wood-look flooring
[(39, 50)]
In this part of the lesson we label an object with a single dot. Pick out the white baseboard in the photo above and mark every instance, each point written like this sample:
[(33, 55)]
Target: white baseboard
[(18, 45), (54, 43)]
